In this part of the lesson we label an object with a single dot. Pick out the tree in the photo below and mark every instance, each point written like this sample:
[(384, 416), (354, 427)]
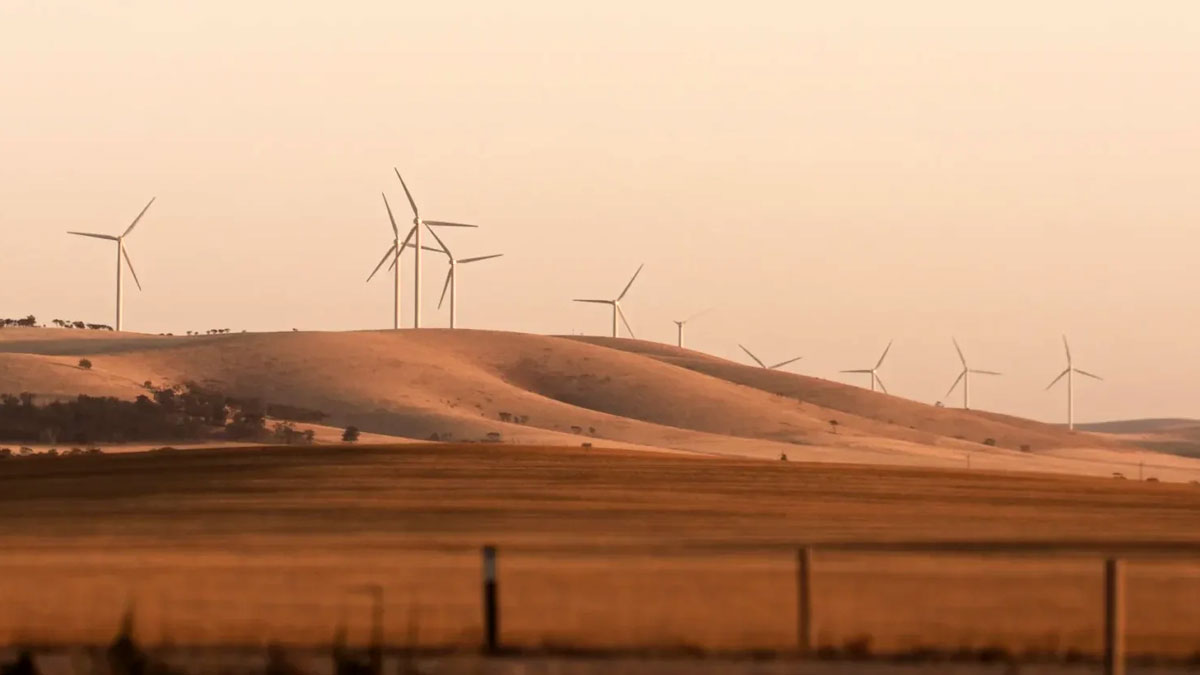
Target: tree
[(834, 425), (350, 435), (85, 364)]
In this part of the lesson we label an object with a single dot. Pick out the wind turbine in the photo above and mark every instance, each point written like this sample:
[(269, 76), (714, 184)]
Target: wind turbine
[(122, 258), (417, 223), (452, 275), (616, 304), (1069, 374), (681, 324), (394, 253), (777, 366), (874, 372), (965, 377)]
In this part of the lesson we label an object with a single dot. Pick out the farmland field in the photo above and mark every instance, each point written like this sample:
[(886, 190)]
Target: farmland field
[(598, 549)]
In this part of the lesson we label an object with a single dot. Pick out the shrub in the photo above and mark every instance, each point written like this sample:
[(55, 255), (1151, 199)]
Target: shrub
[(350, 435), (989, 441), (493, 437), (833, 424), (783, 457), (5, 452), (85, 364), (1026, 448), (505, 417), (586, 446)]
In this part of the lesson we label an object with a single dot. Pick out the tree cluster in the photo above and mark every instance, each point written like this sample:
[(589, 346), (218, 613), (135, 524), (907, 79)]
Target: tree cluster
[(187, 412)]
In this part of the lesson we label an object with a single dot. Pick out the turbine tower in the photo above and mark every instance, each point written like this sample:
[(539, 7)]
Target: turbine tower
[(874, 372), (777, 366), (417, 223), (965, 377), (681, 324), (393, 252), (452, 275), (616, 305), (1069, 374), (122, 258)]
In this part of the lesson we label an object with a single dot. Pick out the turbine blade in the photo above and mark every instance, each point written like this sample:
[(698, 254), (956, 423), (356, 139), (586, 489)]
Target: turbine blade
[(408, 194), (445, 249), (403, 245), (598, 302), (382, 260), (132, 271), (879, 380), (695, 316), (444, 223), (392, 218), (446, 286), (753, 356), (139, 217), (960, 354), (857, 371), (885, 353), (1067, 347), (986, 372), (107, 237), (1084, 372), (478, 258), (625, 321), (631, 280), (1060, 376), (777, 366), (955, 385)]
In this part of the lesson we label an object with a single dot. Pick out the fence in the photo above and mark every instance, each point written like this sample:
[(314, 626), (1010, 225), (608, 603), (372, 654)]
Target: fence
[(941, 599)]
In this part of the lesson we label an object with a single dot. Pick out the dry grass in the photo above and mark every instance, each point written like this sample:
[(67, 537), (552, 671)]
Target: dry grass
[(598, 549)]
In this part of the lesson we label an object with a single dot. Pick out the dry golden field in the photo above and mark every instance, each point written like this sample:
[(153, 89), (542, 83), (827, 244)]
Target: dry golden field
[(598, 548)]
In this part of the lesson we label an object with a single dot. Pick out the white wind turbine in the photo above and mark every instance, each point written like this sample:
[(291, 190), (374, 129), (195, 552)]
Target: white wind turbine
[(1069, 374), (394, 253), (777, 366), (122, 258), (681, 324), (616, 304), (452, 275), (417, 223), (874, 372), (965, 377)]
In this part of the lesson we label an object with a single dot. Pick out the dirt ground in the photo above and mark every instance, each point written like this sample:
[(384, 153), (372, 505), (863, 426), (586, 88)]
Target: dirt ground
[(598, 549)]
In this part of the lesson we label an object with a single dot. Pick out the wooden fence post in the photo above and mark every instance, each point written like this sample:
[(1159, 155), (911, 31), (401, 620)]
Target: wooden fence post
[(1114, 617), (804, 622), (491, 610)]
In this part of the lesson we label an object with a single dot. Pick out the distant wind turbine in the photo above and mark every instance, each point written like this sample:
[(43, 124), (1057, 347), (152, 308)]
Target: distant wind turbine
[(122, 258), (393, 252), (616, 305), (777, 366), (874, 372), (965, 377), (1069, 374), (452, 274), (681, 324), (417, 223)]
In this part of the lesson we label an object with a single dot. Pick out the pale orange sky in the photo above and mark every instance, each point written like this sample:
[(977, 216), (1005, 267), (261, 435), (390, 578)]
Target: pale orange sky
[(827, 175)]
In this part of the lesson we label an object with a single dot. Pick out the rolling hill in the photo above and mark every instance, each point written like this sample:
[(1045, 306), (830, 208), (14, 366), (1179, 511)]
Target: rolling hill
[(466, 385)]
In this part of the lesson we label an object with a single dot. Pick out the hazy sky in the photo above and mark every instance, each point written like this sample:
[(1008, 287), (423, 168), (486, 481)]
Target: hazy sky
[(826, 175)]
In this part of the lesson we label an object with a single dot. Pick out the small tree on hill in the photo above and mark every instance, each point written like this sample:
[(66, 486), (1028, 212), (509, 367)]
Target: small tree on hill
[(85, 364), (833, 424), (350, 435)]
